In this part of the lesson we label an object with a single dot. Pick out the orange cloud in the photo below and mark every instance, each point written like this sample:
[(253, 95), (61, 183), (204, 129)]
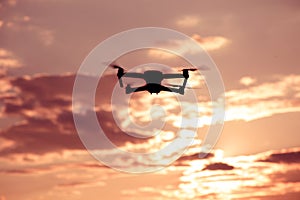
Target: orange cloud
[(8, 59), (46, 37), (253, 101), (49, 113), (23, 25), (183, 47), (265, 99), (247, 80), (5, 143), (212, 42), (188, 21), (248, 176)]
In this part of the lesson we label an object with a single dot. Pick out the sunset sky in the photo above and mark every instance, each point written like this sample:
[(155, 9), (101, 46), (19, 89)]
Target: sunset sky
[(254, 44)]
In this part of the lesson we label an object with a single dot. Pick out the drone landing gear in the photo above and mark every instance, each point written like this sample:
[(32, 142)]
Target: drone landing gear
[(129, 89), (181, 90)]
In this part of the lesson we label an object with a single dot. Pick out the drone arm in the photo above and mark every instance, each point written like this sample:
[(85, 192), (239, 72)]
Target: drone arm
[(184, 75), (133, 75), (169, 76), (184, 83), (121, 82), (181, 89), (121, 74)]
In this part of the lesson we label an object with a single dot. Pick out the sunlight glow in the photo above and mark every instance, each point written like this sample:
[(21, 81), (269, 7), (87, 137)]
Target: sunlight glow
[(218, 154)]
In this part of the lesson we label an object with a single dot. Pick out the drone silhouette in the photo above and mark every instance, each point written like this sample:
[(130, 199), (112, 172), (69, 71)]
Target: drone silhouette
[(153, 79)]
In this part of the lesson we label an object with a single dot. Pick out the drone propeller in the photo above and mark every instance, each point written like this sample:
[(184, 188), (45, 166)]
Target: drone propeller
[(113, 65), (189, 69), (120, 73), (116, 67), (194, 68)]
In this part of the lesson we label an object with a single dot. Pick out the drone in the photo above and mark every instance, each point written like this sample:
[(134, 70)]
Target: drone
[(153, 79)]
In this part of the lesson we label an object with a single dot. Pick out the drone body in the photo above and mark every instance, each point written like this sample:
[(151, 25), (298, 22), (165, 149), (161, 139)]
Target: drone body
[(153, 79)]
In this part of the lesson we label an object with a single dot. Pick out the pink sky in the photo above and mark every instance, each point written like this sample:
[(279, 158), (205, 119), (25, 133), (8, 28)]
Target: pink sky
[(253, 43)]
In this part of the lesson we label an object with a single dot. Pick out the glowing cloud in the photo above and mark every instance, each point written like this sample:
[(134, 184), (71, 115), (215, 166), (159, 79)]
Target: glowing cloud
[(8, 59), (183, 47), (46, 37), (247, 81), (188, 21), (254, 101), (212, 42), (265, 99)]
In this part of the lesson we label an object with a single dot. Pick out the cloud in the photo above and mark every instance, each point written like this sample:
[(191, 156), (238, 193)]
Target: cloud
[(41, 102), (283, 157), (196, 156), (8, 59), (240, 177), (40, 95), (211, 43), (7, 90), (288, 176), (46, 36), (279, 95), (25, 26), (248, 103), (184, 47), (247, 81), (38, 136), (44, 104), (248, 178), (81, 184), (24, 171), (5, 144), (218, 166), (42, 135), (188, 21), (255, 100)]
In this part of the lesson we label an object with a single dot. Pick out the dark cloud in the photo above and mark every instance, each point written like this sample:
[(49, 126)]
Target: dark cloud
[(50, 92), (73, 184), (196, 156), (44, 103), (292, 175), (26, 171), (35, 93), (287, 157), (16, 171), (34, 166), (90, 165), (39, 136), (218, 166)]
